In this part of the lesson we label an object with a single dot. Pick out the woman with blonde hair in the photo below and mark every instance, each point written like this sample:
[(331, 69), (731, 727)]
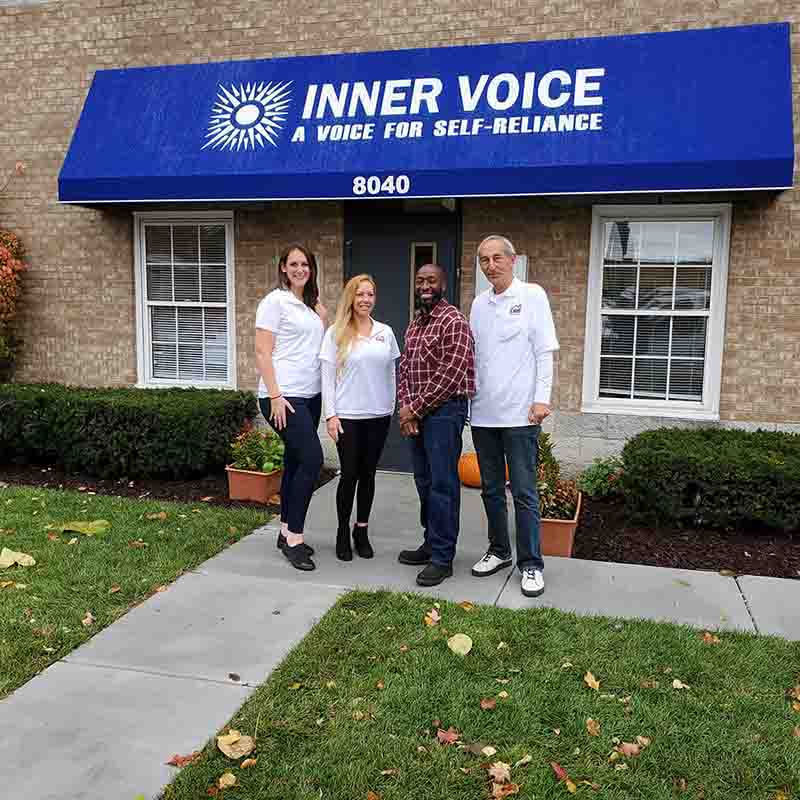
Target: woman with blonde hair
[(358, 388)]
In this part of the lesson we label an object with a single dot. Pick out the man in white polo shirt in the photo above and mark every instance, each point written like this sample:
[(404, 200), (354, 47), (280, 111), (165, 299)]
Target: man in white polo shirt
[(514, 343)]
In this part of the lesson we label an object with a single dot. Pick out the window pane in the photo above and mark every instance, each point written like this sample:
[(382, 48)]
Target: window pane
[(689, 337), (619, 287), (617, 336), (187, 283), (615, 377), (159, 282), (655, 287), (212, 244), (693, 287), (157, 244), (696, 242), (216, 342), (658, 242), (163, 335), (165, 361), (190, 343), (214, 287), (686, 380), (622, 242), (162, 324), (652, 336), (185, 244), (650, 379)]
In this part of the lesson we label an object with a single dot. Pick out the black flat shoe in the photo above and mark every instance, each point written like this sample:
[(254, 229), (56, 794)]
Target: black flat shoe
[(282, 541), (415, 558), (343, 550), (361, 541), (299, 557), (433, 575)]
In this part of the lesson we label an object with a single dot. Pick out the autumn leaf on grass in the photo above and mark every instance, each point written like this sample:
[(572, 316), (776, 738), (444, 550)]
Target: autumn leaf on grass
[(503, 695), (593, 727), (373, 795), (96, 527), (248, 762), (433, 617), (234, 745), (88, 620), (8, 558), (226, 780), (466, 605), (115, 588), (561, 775), (591, 681), (500, 772), (488, 703), (450, 736), (182, 761), (710, 638), (460, 644), (159, 515), (796, 732), (500, 790), (676, 684), (526, 759), (633, 749), (390, 773)]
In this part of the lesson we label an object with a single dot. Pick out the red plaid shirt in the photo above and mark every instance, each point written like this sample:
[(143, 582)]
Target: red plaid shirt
[(438, 361)]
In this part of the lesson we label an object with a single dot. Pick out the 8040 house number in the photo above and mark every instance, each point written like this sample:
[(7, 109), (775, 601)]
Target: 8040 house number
[(374, 185)]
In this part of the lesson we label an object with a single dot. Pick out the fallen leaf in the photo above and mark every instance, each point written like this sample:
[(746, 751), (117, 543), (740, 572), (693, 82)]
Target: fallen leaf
[(488, 703), (115, 588), (73, 541), (629, 749), (212, 791), (404, 648), (526, 759), (234, 745), (390, 772), (450, 736), (796, 705), (591, 681), (727, 573), (206, 499), (676, 684), (160, 515), (680, 785), (500, 772), (88, 620), (571, 787), (358, 715), (595, 786), (710, 638), (647, 684), (373, 795), (294, 686), (433, 617), (460, 644), (182, 761), (8, 558), (248, 762), (620, 767), (502, 646), (566, 665), (557, 731), (226, 781), (380, 685), (53, 537), (503, 681), (160, 589), (233, 531), (138, 543), (796, 732), (330, 685), (503, 695), (500, 790), (560, 772), (96, 527), (593, 727), (488, 751), (643, 741), (466, 605)]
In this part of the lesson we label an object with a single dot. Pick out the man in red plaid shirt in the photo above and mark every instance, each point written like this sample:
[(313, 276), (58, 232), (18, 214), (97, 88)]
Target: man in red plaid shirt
[(436, 380)]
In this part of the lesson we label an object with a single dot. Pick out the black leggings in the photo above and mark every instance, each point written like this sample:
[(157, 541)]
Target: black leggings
[(360, 448)]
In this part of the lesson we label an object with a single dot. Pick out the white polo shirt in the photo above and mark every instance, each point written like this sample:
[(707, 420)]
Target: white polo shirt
[(366, 385), (298, 335), (512, 331)]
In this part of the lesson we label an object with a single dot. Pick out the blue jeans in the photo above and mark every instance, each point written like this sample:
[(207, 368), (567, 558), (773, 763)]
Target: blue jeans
[(435, 453), (519, 447), (302, 457)]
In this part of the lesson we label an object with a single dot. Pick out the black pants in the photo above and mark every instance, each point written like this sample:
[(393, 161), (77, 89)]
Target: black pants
[(360, 448), (302, 457)]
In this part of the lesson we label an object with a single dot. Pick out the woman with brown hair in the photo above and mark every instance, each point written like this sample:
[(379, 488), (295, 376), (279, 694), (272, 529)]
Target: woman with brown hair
[(358, 385), (290, 324)]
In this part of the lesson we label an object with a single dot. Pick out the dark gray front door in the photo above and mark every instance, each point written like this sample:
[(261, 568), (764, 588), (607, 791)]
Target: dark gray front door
[(385, 241)]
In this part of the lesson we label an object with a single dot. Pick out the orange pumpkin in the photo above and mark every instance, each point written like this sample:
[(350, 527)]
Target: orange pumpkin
[(468, 472)]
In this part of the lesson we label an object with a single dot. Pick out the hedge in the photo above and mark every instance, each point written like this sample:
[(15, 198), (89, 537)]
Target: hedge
[(714, 477), (136, 433)]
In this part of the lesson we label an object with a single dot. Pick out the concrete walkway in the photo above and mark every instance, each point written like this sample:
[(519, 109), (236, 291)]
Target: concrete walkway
[(102, 722)]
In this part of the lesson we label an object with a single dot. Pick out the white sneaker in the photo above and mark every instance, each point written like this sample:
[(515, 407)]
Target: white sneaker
[(532, 583), (490, 564)]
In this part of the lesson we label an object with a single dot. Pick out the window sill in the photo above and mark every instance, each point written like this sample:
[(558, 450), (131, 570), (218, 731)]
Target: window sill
[(168, 385), (649, 410)]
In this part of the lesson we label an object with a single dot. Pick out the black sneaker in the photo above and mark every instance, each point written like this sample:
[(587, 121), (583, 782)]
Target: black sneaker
[(343, 550), (433, 575), (361, 541), (299, 557), (282, 541), (415, 558)]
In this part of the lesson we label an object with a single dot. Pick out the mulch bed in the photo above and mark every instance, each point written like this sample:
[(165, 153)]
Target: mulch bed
[(604, 532)]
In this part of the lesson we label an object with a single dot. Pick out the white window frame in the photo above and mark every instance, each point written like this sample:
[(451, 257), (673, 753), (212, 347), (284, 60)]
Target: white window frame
[(145, 378), (715, 331)]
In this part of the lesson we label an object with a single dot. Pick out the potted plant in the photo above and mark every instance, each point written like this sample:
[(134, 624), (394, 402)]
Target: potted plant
[(559, 503), (256, 467)]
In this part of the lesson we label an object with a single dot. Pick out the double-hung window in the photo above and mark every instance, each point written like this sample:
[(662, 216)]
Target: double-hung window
[(655, 319), (184, 290)]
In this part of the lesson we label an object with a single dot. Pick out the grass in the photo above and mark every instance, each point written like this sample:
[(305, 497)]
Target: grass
[(42, 622), (326, 729)]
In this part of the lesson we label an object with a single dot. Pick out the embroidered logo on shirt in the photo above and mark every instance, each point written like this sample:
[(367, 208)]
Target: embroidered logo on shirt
[(517, 309), (379, 338)]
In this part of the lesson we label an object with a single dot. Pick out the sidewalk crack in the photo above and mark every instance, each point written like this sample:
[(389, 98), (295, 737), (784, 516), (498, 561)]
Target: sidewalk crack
[(747, 605)]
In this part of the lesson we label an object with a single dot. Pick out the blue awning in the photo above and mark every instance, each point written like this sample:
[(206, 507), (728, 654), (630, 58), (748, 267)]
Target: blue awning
[(686, 110)]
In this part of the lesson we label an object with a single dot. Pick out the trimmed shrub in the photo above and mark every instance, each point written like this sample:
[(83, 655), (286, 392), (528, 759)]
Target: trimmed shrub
[(714, 477), (136, 433), (601, 479)]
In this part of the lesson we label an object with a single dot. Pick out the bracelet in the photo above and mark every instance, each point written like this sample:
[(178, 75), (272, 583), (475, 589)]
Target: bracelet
[(276, 396)]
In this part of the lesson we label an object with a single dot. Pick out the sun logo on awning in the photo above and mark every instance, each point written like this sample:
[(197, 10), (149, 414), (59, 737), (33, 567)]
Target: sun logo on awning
[(247, 115)]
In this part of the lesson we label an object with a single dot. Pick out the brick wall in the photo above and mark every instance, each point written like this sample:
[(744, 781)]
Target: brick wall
[(78, 312)]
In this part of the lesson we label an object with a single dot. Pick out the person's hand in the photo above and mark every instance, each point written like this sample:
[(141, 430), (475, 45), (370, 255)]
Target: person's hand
[(277, 411), (334, 428), (410, 429), (537, 413), (406, 416)]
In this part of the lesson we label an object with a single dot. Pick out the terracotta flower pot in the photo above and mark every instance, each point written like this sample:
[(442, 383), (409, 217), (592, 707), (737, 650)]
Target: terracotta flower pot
[(558, 535), (259, 486)]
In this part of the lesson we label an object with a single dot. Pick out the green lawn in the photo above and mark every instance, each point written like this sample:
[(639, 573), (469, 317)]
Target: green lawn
[(104, 575), (368, 688)]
